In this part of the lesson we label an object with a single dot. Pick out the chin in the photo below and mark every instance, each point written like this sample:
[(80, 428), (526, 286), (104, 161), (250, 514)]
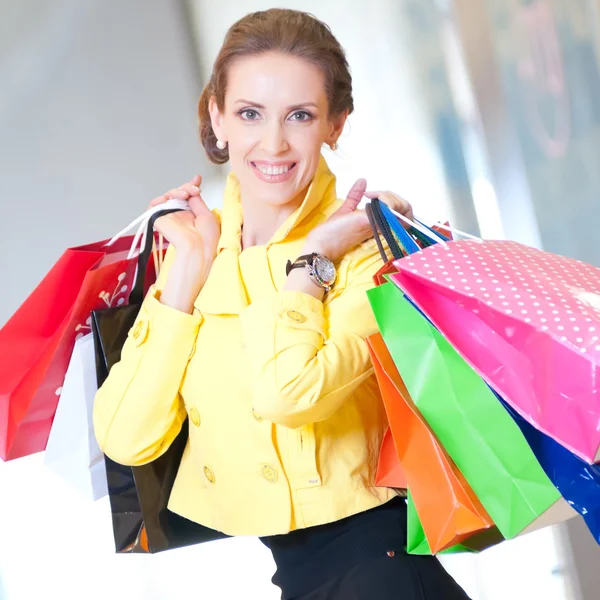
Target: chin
[(276, 197)]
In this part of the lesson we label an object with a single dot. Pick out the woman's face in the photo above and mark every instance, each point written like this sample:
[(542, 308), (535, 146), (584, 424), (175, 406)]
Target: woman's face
[(275, 121)]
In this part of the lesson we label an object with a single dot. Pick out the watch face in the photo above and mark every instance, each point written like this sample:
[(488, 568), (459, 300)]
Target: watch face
[(325, 270)]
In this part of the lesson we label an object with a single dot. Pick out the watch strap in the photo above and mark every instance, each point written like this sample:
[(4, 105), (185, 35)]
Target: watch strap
[(306, 260)]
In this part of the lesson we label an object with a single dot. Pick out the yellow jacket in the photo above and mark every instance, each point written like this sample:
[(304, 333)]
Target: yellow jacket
[(285, 415)]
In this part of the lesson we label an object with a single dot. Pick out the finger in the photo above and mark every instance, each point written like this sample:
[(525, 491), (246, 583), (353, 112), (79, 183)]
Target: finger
[(397, 204), (178, 194), (392, 199), (395, 201), (158, 200), (401, 205), (196, 180), (198, 206), (357, 191), (190, 188)]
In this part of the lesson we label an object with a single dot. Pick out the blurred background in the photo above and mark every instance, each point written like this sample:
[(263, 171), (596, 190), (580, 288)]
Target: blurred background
[(485, 112)]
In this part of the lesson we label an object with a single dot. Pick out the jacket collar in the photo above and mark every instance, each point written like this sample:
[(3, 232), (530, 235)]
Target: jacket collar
[(321, 191), (224, 291)]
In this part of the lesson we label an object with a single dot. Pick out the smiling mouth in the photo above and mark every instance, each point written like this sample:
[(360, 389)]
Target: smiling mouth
[(274, 171)]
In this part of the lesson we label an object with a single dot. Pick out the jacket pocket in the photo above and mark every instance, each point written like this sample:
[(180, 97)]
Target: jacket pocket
[(306, 470)]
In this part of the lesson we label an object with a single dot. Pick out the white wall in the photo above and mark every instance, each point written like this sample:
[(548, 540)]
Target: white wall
[(97, 116)]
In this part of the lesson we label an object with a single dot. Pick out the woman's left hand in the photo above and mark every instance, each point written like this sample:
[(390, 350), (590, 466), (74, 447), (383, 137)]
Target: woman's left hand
[(348, 227)]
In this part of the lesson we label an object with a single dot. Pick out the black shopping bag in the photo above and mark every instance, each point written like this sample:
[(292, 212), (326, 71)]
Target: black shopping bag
[(138, 496)]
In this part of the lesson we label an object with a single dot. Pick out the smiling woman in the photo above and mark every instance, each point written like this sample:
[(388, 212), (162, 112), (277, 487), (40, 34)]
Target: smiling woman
[(256, 329), (273, 109)]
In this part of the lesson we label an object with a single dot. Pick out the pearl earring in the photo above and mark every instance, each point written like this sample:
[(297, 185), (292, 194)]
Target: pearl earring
[(221, 145), (334, 146)]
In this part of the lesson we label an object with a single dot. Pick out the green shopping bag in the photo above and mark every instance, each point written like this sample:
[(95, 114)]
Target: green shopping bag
[(417, 541), (474, 428)]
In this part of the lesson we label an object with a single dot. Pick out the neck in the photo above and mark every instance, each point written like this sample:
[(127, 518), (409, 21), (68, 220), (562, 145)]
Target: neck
[(261, 221)]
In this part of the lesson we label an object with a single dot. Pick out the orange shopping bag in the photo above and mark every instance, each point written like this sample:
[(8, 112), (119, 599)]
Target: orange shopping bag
[(447, 506), (389, 470)]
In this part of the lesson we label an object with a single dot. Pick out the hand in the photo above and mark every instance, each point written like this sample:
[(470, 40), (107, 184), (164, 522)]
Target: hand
[(348, 227), (196, 230), (195, 236)]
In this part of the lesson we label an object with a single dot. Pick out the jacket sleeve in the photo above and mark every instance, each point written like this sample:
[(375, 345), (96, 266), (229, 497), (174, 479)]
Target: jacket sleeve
[(308, 357), (138, 411)]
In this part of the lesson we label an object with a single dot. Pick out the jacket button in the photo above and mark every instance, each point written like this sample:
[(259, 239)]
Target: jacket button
[(210, 476), (269, 473), (256, 416), (137, 330), (297, 317), (195, 417)]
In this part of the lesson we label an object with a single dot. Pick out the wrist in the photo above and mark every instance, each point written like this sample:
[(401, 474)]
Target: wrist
[(314, 244), (186, 278), (299, 281)]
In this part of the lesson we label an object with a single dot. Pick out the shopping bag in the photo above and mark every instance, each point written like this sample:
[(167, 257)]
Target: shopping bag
[(527, 321), (416, 542), (139, 496), (389, 470), (37, 341), (479, 435), (448, 508), (576, 480), (72, 451)]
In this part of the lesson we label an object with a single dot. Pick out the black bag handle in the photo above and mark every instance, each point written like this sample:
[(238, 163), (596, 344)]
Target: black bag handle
[(384, 228), (376, 232), (137, 293)]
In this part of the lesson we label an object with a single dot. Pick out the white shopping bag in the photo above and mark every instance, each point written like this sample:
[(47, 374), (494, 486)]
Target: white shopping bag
[(72, 451)]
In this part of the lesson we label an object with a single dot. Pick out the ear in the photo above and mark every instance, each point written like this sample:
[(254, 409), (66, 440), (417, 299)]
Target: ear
[(336, 126), (216, 119)]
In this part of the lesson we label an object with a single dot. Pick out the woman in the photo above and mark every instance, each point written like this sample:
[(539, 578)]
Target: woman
[(269, 362)]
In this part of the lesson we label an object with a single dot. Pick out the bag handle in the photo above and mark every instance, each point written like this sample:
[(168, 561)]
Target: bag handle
[(425, 234), (376, 232), (455, 231), (379, 226), (432, 235), (142, 223), (137, 292), (400, 232)]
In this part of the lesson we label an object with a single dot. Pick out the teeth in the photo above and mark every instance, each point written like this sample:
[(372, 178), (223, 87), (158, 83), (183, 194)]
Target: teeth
[(274, 170)]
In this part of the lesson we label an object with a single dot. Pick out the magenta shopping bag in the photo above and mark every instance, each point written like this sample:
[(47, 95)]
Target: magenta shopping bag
[(527, 320)]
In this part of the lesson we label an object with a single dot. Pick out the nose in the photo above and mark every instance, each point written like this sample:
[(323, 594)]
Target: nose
[(274, 140)]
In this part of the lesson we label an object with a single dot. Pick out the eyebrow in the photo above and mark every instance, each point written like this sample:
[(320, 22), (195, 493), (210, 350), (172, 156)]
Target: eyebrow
[(257, 105)]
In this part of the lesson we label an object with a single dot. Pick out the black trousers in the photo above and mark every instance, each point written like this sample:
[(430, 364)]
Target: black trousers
[(362, 557), (398, 577)]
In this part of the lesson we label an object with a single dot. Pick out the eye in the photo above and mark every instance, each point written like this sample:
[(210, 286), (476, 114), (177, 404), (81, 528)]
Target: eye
[(248, 114), (301, 116)]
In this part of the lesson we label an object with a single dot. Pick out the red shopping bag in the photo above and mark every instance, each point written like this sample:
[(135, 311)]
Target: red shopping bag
[(528, 322), (37, 341)]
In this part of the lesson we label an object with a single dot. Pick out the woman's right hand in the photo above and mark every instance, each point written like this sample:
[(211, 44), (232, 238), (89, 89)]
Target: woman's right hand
[(196, 230), (195, 235)]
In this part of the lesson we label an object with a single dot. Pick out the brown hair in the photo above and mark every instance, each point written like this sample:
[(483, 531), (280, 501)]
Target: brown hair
[(281, 30)]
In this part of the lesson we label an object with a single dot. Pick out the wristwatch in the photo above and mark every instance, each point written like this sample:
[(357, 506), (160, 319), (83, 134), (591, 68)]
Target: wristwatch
[(321, 270)]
